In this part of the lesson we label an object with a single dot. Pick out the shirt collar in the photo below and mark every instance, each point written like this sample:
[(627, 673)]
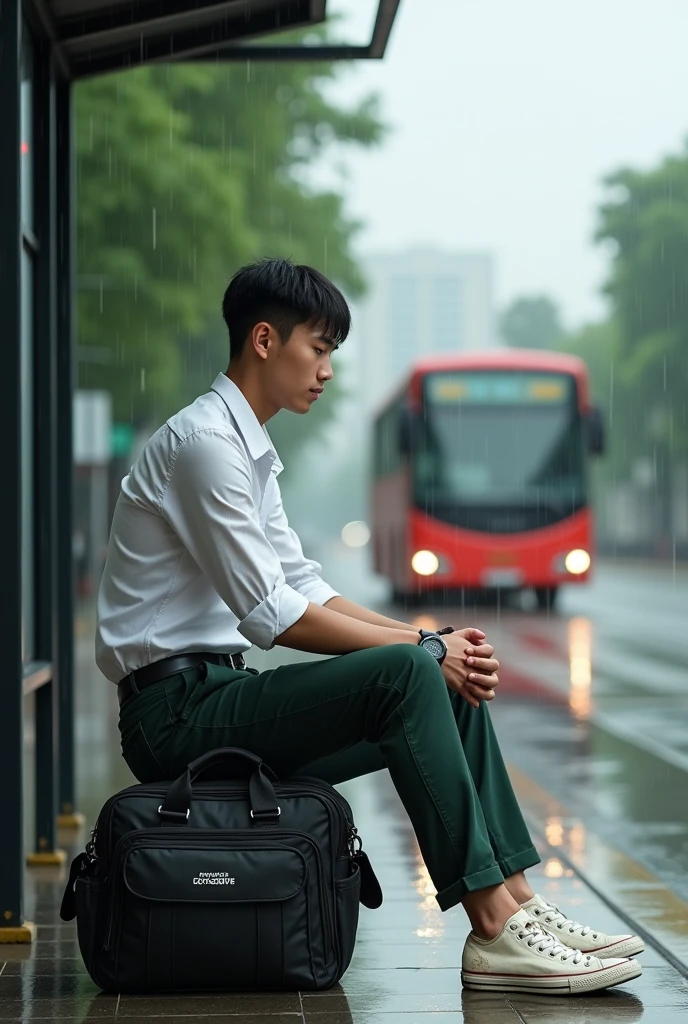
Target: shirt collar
[(256, 437)]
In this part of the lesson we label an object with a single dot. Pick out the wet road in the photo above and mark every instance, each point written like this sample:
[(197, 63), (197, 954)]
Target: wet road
[(593, 700), (595, 705)]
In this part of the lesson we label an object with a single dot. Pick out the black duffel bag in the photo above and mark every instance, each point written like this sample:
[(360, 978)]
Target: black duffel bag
[(233, 883)]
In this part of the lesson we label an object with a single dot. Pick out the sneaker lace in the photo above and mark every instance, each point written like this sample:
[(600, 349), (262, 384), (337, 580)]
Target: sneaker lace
[(554, 916), (534, 935)]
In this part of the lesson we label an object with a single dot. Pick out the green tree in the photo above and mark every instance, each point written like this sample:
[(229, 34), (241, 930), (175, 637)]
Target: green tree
[(531, 322), (646, 220), (185, 172), (598, 345)]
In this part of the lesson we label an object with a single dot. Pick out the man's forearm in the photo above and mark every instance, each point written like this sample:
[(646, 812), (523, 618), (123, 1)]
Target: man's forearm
[(357, 611), (324, 630)]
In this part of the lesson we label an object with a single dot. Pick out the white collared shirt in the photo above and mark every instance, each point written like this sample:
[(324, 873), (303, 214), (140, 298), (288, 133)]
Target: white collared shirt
[(201, 556)]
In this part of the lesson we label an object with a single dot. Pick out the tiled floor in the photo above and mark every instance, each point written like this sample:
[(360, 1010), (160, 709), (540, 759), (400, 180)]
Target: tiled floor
[(406, 966)]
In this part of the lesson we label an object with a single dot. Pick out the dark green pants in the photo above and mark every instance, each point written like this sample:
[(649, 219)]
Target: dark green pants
[(344, 717)]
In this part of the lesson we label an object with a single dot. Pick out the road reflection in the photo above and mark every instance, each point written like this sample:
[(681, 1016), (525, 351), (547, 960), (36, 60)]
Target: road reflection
[(432, 926), (554, 831), (580, 666), (554, 868), (425, 621)]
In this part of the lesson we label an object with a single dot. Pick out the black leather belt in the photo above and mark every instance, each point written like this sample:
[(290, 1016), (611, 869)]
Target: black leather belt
[(166, 667)]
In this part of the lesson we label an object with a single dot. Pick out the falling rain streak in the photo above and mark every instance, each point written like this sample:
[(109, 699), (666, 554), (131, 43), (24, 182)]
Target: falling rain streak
[(504, 443)]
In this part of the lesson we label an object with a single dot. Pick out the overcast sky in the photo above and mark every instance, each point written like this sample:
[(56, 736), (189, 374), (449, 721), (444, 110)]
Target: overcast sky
[(506, 115)]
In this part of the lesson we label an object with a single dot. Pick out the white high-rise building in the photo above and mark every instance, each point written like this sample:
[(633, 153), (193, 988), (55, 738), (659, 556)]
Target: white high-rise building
[(420, 302)]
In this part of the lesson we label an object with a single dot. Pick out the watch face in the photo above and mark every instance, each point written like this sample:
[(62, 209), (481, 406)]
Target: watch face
[(434, 645)]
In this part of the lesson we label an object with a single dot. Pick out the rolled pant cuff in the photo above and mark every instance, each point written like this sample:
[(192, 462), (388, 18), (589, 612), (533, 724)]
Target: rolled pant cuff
[(519, 861), (454, 893)]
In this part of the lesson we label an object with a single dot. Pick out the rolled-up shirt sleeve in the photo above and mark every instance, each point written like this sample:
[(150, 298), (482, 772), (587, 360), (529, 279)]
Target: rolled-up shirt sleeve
[(208, 502), (301, 573)]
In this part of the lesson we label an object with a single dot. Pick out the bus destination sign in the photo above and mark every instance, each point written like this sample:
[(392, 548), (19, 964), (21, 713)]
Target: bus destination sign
[(498, 388)]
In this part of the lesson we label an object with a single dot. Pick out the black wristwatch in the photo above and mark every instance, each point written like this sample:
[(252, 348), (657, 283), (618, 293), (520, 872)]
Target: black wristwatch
[(433, 644)]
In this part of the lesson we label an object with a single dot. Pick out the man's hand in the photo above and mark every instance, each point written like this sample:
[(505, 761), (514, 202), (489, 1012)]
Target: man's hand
[(469, 667), (477, 639), (467, 653)]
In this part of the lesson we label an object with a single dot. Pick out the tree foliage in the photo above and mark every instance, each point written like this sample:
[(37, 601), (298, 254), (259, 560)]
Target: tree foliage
[(531, 322), (638, 358), (185, 172), (646, 220)]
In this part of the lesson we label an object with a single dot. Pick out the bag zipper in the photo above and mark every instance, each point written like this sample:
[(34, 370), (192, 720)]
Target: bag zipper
[(354, 838), (333, 799)]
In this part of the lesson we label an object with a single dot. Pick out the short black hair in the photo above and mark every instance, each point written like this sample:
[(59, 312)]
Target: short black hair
[(283, 294)]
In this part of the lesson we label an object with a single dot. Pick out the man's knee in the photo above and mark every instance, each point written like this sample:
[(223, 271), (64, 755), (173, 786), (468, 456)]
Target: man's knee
[(401, 674), (409, 665)]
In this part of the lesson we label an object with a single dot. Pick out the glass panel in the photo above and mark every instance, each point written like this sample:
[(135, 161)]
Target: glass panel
[(27, 443), (501, 440), (27, 134)]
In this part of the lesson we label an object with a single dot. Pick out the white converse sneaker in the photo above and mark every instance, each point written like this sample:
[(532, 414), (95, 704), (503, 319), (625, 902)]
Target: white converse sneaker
[(524, 958), (580, 936)]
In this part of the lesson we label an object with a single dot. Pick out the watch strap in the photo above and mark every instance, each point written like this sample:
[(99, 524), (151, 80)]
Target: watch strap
[(427, 634)]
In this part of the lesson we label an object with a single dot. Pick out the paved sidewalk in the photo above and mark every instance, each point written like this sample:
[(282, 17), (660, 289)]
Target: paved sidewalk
[(406, 966)]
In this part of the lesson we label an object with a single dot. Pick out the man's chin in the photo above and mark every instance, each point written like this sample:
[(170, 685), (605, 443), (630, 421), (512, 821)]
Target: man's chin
[(303, 406), (300, 408)]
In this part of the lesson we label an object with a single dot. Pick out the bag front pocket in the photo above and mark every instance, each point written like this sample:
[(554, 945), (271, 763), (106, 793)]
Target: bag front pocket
[(87, 892), (213, 912), (348, 891)]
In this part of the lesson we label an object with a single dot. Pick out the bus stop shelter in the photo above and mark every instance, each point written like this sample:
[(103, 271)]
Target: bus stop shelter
[(45, 46)]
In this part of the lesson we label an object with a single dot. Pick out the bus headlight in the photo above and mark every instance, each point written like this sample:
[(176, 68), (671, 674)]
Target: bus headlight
[(425, 563), (577, 562)]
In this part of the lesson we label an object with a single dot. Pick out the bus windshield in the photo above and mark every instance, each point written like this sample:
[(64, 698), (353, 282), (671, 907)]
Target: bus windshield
[(499, 440)]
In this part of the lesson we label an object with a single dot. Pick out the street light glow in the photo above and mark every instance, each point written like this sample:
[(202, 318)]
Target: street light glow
[(356, 534)]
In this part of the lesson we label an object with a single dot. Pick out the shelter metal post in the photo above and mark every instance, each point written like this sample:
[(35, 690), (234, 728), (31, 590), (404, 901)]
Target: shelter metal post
[(65, 370), (13, 928), (45, 403)]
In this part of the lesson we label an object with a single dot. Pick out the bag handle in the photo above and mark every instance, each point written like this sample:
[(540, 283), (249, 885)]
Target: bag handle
[(225, 756), (176, 807)]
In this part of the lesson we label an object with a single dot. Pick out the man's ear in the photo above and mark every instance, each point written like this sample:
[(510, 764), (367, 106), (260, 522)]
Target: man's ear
[(260, 339)]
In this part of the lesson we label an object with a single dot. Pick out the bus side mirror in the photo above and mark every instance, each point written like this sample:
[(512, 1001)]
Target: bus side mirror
[(405, 432), (595, 431)]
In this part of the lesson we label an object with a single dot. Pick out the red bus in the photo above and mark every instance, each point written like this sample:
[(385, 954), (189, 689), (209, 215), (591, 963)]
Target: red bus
[(480, 475)]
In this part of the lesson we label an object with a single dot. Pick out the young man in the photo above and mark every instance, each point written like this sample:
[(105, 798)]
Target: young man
[(202, 564)]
